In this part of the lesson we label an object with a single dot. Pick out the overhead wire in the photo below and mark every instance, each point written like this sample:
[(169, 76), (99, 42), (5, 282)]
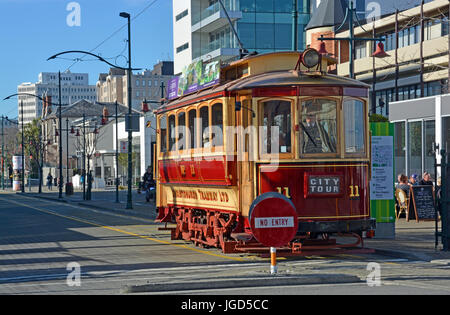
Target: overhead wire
[(112, 35)]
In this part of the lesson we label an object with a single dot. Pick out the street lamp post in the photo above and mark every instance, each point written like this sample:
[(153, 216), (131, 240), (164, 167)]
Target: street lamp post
[(60, 139), (351, 39), (129, 70), (23, 156), (130, 133)]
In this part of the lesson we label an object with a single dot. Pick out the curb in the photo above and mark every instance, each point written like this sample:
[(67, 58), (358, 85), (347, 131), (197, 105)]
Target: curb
[(43, 197), (242, 282), (87, 205), (124, 212)]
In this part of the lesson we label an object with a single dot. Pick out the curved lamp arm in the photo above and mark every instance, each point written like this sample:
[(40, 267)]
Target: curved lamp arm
[(90, 54), (30, 94)]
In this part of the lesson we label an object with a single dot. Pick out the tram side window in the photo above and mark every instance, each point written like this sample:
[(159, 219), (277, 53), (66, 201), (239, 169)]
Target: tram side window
[(217, 125), (172, 133), (204, 118), (192, 118), (354, 126), (181, 131), (276, 119), (318, 124), (163, 133)]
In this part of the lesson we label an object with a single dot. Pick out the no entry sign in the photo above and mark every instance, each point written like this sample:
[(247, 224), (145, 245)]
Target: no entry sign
[(273, 219)]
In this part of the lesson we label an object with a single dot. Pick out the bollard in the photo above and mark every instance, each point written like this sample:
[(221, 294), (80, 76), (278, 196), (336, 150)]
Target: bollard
[(273, 261)]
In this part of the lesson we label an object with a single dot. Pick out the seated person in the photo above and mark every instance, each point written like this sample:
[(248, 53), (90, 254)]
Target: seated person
[(413, 180), (403, 184)]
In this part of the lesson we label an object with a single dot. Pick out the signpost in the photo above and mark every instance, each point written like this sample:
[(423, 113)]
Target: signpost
[(17, 169), (382, 202), (421, 203), (274, 223)]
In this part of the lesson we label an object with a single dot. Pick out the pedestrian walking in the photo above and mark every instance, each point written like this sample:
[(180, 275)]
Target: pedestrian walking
[(49, 181)]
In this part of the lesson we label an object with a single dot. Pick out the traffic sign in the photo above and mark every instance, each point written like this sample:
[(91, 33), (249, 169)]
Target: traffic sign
[(273, 219)]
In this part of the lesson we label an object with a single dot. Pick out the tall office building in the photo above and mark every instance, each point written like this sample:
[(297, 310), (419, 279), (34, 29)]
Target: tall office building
[(74, 87), (146, 85), (202, 30)]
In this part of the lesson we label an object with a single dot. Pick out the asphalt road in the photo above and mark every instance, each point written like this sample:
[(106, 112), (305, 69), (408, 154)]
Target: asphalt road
[(48, 247)]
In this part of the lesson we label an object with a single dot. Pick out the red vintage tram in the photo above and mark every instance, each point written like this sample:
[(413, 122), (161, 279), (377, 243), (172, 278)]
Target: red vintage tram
[(275, 122)]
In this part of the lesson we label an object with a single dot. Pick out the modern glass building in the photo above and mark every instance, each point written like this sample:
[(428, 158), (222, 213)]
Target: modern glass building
[(202, 30), (266, 25), (419, 124)]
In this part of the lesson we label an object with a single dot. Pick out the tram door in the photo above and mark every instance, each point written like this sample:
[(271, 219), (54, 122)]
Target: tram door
[(244, 156)]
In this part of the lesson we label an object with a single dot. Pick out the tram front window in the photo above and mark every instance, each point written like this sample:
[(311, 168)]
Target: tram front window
[(319, 126)]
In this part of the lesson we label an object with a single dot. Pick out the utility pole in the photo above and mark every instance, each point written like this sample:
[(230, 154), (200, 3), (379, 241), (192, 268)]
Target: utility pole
[(294, 25)]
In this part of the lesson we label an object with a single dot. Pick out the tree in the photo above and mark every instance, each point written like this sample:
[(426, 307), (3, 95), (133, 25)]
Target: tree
[(34, 147), (378, 118)]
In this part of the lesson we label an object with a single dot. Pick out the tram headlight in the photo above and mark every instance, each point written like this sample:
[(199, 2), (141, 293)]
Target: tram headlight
[(310, 58)]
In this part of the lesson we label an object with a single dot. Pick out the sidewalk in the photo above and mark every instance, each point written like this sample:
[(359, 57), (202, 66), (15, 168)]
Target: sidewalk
[(102, 200), (413, 241)]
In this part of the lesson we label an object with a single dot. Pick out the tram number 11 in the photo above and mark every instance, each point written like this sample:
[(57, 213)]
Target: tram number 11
[(284, 191), (354, 191)]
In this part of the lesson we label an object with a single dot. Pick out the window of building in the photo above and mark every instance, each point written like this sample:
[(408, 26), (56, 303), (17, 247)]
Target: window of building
[(276, 120), (428, 151), (264, 5), (181, 15), (182, 47), (354, 121), (265, 35), (399, 147), (415, 147), (319, 121), (360, 49)]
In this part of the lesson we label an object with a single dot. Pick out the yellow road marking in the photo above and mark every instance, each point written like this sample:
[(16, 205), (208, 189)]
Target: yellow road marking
[(124, 232)]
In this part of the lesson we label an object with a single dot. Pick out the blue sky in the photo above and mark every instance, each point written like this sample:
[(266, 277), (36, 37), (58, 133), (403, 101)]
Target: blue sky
[(33, 30)]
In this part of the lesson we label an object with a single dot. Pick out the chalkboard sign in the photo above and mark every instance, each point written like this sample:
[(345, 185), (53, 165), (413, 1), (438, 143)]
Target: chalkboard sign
[(421, 203)]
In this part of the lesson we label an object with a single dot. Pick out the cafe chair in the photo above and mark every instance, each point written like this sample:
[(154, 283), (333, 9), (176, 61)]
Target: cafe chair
[(403, 203)]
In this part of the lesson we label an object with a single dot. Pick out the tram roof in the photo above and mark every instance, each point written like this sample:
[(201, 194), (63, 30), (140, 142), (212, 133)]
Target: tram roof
[(274, 79), (293, 78)]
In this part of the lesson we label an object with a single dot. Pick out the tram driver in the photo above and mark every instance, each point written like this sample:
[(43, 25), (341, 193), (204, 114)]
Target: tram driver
[(316, 137)]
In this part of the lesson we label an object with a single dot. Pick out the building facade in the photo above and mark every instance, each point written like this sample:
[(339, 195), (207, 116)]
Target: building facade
[(416, 41), (148, 85), (421, 125), (202, 31), (74, 87)]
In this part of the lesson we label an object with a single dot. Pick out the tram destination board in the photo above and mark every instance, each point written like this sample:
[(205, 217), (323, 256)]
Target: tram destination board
[(422, 203)]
